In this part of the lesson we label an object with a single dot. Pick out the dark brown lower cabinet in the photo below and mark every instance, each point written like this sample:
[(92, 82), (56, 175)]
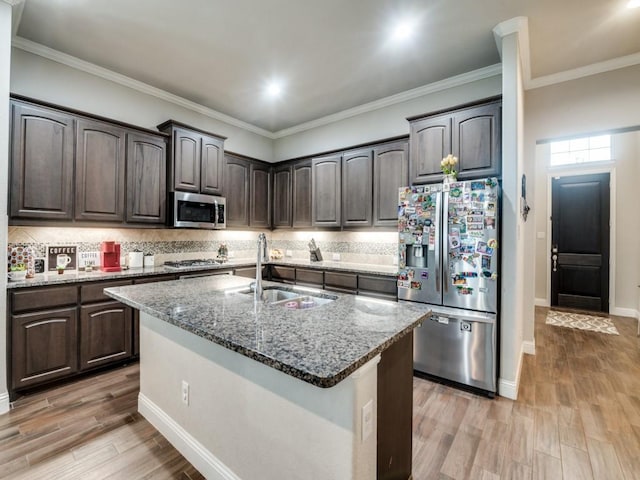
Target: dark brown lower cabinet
[(311, 278), (105, 334), (341, 282), (43, 346), (395, 410)]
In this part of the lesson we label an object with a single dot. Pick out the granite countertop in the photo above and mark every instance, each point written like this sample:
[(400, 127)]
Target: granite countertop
[(321, 345), (52, 278)]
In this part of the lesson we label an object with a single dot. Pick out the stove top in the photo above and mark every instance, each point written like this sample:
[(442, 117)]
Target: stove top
[(184, 264)]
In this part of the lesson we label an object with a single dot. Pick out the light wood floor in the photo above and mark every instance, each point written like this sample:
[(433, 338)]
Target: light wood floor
[(577, 417)]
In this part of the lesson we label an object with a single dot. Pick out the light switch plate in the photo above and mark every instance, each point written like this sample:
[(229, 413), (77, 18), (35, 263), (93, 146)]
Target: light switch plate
[(336, 257)]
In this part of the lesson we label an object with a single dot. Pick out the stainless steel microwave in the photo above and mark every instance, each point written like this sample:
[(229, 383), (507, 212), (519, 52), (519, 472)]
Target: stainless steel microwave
[(193, 210)]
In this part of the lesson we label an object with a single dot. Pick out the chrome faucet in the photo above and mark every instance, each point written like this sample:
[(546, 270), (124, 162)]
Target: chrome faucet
[(262, 255)]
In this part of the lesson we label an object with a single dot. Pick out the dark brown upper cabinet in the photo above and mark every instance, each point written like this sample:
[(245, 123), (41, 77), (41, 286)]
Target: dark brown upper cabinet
[(357, 188), (146, 178), (196, 160), (430, 143), (282, 186), (477, 140), (260, 196), (472, 133), (326, 191), (390, 172), (236, 191), (301, 173), (100, 171), (41, 185)]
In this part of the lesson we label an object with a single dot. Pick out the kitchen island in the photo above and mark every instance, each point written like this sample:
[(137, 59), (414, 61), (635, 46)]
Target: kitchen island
[(250, 389)]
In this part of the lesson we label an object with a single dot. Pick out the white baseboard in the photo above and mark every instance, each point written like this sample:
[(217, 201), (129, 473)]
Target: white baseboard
[(541, 302), (624, 312), (529, 347), (4, 403), (201, 458), (509, 388)]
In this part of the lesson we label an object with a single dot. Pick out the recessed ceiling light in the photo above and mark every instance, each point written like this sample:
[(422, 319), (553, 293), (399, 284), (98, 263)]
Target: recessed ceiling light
[(274, 89), (403, 30), (633, 4)]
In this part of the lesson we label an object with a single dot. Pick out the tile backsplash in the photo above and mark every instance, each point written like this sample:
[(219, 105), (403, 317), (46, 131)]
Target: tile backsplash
[(176, 244)]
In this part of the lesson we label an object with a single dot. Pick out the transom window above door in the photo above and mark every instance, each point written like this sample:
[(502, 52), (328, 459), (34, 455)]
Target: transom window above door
[(580, 150)]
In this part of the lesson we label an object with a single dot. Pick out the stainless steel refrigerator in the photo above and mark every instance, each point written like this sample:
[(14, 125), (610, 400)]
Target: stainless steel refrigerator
[(449, 258)]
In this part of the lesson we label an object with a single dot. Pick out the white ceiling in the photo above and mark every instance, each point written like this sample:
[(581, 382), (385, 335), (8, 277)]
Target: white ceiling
[(331, 55)]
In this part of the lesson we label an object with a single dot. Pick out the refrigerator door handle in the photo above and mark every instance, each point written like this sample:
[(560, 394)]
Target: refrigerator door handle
[(438, 241), (443, 231)]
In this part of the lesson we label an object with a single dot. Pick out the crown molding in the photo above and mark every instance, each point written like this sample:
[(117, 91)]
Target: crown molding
[(586, 71), (13, 3), (93, 69), (458, 80)]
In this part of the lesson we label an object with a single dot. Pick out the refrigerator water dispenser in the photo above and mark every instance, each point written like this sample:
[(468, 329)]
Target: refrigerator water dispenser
[(416, 256)]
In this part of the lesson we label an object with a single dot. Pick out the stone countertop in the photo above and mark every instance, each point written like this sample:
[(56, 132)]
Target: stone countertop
[(321, 345), (52, 278)]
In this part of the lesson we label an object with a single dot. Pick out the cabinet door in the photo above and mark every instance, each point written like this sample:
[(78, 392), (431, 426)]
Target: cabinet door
[(211, 165), (100, 171), (430, 143), (260, 195), (325, 191), (105, 334), (357, 192), (43, 346), (236, 190), (301, 194), (390, 172), (282, 197), (186, 160), (477, 141), (41, 163), (146, 177)]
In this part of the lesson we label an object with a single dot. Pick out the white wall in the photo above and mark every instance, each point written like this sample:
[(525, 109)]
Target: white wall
[(513, 276), (5, 62), (591, 104), (383, 123), (37, 77)]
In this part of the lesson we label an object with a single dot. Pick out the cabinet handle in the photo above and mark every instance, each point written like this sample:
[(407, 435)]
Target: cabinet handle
[(104, 312)]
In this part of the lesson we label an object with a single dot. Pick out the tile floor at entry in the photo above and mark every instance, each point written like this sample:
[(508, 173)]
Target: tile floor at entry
[(577, 417)]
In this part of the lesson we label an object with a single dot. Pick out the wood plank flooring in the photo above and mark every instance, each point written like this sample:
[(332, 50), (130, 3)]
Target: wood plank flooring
[(577, 417)]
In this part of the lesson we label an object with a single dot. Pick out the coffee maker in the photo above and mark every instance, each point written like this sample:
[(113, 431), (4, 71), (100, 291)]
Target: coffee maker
[(110, 257)]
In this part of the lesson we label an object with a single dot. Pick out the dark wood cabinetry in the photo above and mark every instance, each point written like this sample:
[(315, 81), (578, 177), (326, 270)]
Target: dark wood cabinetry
[(196, 160), (236, 191), (43, 346), (326, 180), (301, 194), (260, 196), (309, 277), (472, 133), (100, 171), (105, 334), (357, 191), (282, 189), (341, 282), (390, 172), (146, 179), (41, 163)]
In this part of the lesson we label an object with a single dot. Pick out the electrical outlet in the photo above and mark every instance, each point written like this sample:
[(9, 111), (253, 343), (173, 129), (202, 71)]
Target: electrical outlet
[(185, 393), (336, 257), (288, 253), (367, 420)]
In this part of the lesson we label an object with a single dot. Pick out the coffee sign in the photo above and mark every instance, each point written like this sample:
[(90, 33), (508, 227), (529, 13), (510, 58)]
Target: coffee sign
[(63, 256)]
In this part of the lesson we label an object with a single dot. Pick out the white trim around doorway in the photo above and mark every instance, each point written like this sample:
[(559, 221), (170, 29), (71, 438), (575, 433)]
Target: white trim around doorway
[(569, 171)]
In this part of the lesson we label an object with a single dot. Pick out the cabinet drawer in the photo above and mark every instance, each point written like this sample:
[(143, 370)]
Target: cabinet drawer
[(156, 278), (94, 292), (342, 281), (247, 272), (309, 277), (283, 273), (43, 298), (374, 284)]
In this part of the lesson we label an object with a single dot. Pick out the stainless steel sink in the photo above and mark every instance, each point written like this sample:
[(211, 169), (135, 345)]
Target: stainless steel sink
[(292, 299)]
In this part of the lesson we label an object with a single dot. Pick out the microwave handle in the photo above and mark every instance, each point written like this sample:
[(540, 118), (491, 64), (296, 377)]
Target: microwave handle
[(216, 213)]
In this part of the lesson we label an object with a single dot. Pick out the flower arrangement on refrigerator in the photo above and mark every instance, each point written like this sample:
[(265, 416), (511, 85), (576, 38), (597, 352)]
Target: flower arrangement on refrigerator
[(448, 165)]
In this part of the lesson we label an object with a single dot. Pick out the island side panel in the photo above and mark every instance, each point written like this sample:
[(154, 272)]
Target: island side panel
[(395, 410), (246, 420)]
